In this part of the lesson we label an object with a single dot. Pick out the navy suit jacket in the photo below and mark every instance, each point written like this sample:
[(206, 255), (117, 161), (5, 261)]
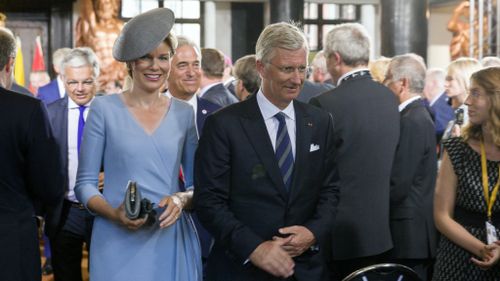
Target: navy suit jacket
[(311, 90), (20, 89), (240, 196), (366, 134), (413, 180), (443, 113), (205, 108), (220, 95), (58, 117), (49, 92), (30, 180)]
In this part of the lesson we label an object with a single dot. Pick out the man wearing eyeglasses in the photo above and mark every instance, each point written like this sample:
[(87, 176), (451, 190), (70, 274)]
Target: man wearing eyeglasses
[(67, 115), (264, 173)]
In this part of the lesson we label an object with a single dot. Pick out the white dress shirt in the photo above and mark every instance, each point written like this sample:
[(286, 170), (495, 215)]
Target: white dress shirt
[(268, 111), (73, 115), (404, 104), (60, 86)]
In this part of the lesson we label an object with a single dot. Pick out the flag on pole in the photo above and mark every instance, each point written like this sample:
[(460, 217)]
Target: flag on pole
[(38, 63), (18, 64), (38, 72)]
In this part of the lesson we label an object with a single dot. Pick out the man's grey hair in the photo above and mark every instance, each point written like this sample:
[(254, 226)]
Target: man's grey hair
[(184, 41), (58, 56), (319, 62), (79, 57), (7, 47), (351, 42), (436, 74), (410, 67), (282, 35)]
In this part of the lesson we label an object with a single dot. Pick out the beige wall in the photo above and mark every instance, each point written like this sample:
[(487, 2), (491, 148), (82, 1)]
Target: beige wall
[(438, 54)]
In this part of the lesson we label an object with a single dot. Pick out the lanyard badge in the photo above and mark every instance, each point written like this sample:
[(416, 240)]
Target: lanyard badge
[(491, 234)]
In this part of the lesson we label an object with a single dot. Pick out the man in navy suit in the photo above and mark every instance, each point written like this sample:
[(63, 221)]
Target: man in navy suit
[(212, 89), (434, 92), (184, 80), (55, 89), (257, 192), (183, 83), (67, 115), (414, 170), (30, 174)]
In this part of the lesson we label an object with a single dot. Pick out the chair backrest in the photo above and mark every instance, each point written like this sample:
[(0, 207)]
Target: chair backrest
[(383, 272)]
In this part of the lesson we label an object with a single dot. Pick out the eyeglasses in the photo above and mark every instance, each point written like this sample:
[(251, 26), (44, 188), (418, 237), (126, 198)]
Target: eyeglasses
[(302, 69), (73, 84), (147, 59)]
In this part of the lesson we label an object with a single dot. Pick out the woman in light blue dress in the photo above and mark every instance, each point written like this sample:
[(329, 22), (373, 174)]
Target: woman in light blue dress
[(143, 136)]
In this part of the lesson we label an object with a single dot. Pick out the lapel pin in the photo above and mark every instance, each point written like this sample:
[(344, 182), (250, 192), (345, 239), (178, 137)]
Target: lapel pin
[(204, 111), (309, 124)]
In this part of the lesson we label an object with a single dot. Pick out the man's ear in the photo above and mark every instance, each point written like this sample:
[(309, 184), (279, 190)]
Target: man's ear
[(259, 65), (9, 67), (405, 83), (240, 86)]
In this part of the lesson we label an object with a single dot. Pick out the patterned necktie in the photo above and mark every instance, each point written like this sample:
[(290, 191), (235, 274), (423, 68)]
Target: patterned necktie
[(81, 124), (284, 153)]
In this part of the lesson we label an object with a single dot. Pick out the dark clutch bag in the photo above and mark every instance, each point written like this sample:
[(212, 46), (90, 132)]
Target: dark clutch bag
[(137, 207)]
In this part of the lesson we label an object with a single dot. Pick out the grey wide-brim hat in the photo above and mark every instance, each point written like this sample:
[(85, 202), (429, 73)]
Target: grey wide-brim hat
[(142, 34)]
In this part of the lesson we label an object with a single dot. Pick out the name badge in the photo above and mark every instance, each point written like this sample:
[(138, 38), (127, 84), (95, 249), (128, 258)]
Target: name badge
[(491, 233)]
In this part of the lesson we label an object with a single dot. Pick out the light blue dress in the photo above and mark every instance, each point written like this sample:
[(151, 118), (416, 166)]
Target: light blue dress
[(113, 138)]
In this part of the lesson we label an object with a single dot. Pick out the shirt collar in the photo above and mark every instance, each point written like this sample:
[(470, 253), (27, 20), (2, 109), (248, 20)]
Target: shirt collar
[(72, 104), (268, 109), (404, 104)]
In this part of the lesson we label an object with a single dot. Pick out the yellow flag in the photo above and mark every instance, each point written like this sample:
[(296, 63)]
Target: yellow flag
[(18, 64)]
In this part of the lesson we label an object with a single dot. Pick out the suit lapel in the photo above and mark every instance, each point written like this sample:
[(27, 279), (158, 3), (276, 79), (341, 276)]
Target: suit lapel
[(256, 131), (304, 126)]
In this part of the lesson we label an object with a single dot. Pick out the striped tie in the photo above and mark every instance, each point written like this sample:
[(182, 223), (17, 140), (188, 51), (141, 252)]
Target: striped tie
[(284, 151)]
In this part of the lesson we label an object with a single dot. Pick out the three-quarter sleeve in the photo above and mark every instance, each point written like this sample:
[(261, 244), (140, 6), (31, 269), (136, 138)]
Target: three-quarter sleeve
[(189, 149), (91, 153)]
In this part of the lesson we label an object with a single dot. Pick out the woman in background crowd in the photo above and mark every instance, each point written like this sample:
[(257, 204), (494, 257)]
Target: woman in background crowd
[(457, 86), (467, 186)]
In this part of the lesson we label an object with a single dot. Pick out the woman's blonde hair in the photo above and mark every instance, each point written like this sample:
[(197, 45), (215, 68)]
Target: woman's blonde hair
[(489, 80), (461, 70)]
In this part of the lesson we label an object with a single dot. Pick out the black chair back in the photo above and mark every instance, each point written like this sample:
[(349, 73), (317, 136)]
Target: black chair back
[(383, 272)]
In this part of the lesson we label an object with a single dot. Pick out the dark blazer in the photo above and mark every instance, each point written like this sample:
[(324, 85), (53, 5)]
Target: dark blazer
[(366, 133), (412, 186), (49, 92), (443, 114), (220, 95), (311, 90), (30, 180), (20, 89), (240, 196), (205, 108), (58, 117)]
